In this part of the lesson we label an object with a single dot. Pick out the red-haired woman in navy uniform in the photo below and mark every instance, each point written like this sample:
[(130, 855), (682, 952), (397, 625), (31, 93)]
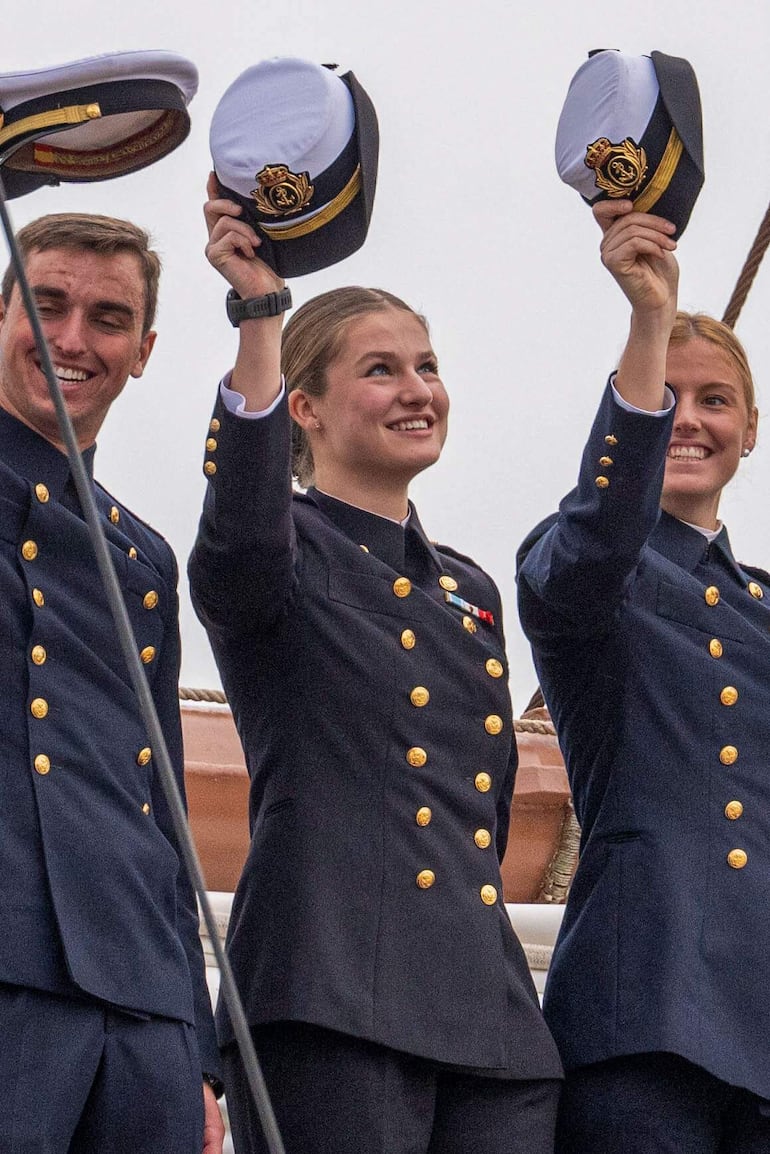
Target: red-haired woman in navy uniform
[(653, 649), (390, 1002)]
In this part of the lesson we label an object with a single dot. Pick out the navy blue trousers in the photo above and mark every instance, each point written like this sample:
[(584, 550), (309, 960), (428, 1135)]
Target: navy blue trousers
[(81, 1078), (334, 1094), (658, 1104)]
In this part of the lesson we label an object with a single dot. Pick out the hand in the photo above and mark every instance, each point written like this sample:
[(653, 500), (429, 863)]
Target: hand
[(233, 245), (638, 250), (213, 1126)]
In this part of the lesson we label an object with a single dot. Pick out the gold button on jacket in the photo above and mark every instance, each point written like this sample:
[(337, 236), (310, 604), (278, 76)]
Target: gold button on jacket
[(493, 724), (711, 595), (416, 756), (494, 667), (408, 639), (737, 858), (733, 810), (425, 879), (715, 647), (488, 895), (150, 599), (423, 815), (38, 707), (41, 492), (729, 695), (482, 838), (42, 764), (483, 782), (419, 696), (402, 587), (29, 550), (728, 755), (447, 582)]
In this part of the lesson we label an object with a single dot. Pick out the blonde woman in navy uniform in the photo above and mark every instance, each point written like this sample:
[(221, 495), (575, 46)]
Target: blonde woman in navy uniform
[(652, 645), (391, 1004)]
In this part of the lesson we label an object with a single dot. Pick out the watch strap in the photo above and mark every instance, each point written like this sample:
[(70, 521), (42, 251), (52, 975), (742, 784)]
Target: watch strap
[(269, 305)]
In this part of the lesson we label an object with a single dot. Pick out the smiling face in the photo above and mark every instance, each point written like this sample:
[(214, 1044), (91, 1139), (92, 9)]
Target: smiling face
[(91, 308), (383, 416), (712, 426)]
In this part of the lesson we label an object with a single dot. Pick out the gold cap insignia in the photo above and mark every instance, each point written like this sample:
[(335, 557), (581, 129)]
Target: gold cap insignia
[(282, 192), (619, 168)]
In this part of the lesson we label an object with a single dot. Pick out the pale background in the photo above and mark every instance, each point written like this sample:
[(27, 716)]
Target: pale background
[(471, 225)]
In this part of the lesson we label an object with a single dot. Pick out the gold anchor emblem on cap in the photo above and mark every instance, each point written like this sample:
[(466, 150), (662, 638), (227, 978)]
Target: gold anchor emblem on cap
[(282, 192), (620, 168)]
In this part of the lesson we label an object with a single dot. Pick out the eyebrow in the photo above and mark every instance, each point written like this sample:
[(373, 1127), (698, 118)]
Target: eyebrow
[(49, 292), (386, 356)]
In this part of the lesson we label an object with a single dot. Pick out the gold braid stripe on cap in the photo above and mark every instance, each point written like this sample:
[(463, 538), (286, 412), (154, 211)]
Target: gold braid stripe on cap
[(663, 175), (327, 213), (75, 114)]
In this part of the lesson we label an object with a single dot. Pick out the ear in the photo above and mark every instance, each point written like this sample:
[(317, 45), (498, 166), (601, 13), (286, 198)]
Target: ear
[(302, 409), (143, 354), (750, 440)]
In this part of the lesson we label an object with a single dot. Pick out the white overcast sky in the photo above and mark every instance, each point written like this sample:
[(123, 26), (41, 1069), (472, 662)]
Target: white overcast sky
[(471, 224)]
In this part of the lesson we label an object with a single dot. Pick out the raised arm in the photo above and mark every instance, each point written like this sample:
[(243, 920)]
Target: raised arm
[(242, 566), (638, 251), (573, 570), (233, 250)]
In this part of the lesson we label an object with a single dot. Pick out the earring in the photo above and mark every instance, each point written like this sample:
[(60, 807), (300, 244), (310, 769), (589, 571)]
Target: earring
[(746, 453), (317, 425)]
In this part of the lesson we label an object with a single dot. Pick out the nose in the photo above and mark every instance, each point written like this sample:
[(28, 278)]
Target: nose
[(687, 416), (415, 389), (67, 334)]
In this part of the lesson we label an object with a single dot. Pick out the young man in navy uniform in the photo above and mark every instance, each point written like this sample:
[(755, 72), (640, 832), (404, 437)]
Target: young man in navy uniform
[(106, 1035)]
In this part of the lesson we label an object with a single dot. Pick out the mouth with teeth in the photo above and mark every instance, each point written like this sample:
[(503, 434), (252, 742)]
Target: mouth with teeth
[(67, 376), (688, 453), (418, 424)]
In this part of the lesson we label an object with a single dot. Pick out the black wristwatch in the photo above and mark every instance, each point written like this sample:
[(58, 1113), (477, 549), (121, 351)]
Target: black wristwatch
[(270, 305)]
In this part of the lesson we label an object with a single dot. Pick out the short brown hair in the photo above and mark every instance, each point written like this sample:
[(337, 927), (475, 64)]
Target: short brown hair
[(312, 339), (689, 326), (88, 232)]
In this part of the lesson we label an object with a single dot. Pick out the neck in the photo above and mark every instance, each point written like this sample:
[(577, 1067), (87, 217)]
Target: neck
[(50, 432), (703, 512), (374, 497)]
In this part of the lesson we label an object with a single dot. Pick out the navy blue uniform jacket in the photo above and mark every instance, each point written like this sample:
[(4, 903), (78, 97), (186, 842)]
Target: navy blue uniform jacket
[(653, 650), (359, 785), (92, 898)]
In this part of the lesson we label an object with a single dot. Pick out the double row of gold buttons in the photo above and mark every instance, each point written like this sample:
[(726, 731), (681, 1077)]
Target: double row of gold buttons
[(417, 757), (728, 754)]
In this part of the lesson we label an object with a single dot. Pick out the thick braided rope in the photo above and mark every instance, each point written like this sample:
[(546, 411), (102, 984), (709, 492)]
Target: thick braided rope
[(748, 272)]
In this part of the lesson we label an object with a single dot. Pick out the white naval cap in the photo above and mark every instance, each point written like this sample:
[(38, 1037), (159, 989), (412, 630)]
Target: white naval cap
[(631, 127), (92, 119), (296, 145)]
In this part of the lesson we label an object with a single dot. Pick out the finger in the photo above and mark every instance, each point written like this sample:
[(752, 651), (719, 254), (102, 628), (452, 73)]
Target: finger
[(214, 209), (646, 258), (222, 224), (627, 238), (220, 252), (212, 186), (606, 212)]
